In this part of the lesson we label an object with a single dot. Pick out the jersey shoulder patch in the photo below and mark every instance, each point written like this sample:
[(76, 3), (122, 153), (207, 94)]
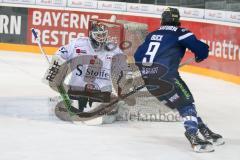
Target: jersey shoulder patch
[(183, 33), (63, 52)]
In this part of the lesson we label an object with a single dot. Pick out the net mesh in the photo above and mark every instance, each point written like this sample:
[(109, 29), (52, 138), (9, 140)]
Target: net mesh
[(147, 108)]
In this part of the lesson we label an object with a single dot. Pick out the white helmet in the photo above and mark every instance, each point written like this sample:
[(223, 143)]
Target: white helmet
[(98, 33)]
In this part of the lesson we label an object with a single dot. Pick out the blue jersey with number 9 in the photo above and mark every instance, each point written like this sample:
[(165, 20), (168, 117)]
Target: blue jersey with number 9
[(167, 46)]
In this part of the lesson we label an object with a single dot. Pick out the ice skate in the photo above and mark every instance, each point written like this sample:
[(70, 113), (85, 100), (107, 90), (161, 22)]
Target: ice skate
[(214, 138), (198, 144)]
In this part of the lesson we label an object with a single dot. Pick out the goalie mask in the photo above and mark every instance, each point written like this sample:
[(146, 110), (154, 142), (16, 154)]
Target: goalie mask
[(98, 34)]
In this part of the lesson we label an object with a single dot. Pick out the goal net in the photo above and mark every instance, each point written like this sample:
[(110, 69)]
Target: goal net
[(128, 36)]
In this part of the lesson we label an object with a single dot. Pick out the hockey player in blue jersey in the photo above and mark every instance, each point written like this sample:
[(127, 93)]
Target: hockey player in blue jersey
[(166, 46)]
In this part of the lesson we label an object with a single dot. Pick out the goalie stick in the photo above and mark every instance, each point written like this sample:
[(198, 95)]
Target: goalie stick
[(40, 45), (60, 88)]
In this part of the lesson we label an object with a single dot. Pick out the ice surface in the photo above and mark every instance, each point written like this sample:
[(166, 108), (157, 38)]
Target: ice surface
[(29, 130)]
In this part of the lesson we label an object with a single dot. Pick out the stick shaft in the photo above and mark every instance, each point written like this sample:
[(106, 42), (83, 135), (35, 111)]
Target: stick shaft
[(61, 89), (188, 61), (40, 45)]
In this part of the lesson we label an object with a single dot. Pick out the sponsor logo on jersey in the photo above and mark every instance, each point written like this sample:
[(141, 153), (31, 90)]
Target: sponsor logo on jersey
[(146, 70), (80, 51), (93, 72), (83, 51), (103, 73)]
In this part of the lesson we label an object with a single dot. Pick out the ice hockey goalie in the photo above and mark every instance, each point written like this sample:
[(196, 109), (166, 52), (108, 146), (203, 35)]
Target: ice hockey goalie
[(93, 68)]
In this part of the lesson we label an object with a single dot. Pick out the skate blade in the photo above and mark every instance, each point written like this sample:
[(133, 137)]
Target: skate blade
[(217, 142), (203, 148)]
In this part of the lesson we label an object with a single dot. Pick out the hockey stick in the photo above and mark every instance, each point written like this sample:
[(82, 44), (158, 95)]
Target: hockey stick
[(40, 45), (188, 61), (109, 107), (60, 88)]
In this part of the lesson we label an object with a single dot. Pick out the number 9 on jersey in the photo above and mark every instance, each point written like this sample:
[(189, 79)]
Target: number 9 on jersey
[(150, 54)]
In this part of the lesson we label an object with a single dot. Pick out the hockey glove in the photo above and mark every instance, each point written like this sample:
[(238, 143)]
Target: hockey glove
[(199, 59), (202, 53)]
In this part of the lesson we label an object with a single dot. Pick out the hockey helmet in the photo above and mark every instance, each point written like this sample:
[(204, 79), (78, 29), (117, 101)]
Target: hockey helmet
[(98, 32), (171, 16)]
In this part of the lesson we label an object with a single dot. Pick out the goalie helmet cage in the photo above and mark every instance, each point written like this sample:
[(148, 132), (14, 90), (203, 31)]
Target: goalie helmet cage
[(127, 35), (147, 108)]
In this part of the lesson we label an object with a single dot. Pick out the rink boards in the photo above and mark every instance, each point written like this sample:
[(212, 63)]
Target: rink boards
[(57, 26)]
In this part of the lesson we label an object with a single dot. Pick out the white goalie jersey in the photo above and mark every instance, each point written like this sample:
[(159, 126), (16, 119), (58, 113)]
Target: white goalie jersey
[(92, 68)]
